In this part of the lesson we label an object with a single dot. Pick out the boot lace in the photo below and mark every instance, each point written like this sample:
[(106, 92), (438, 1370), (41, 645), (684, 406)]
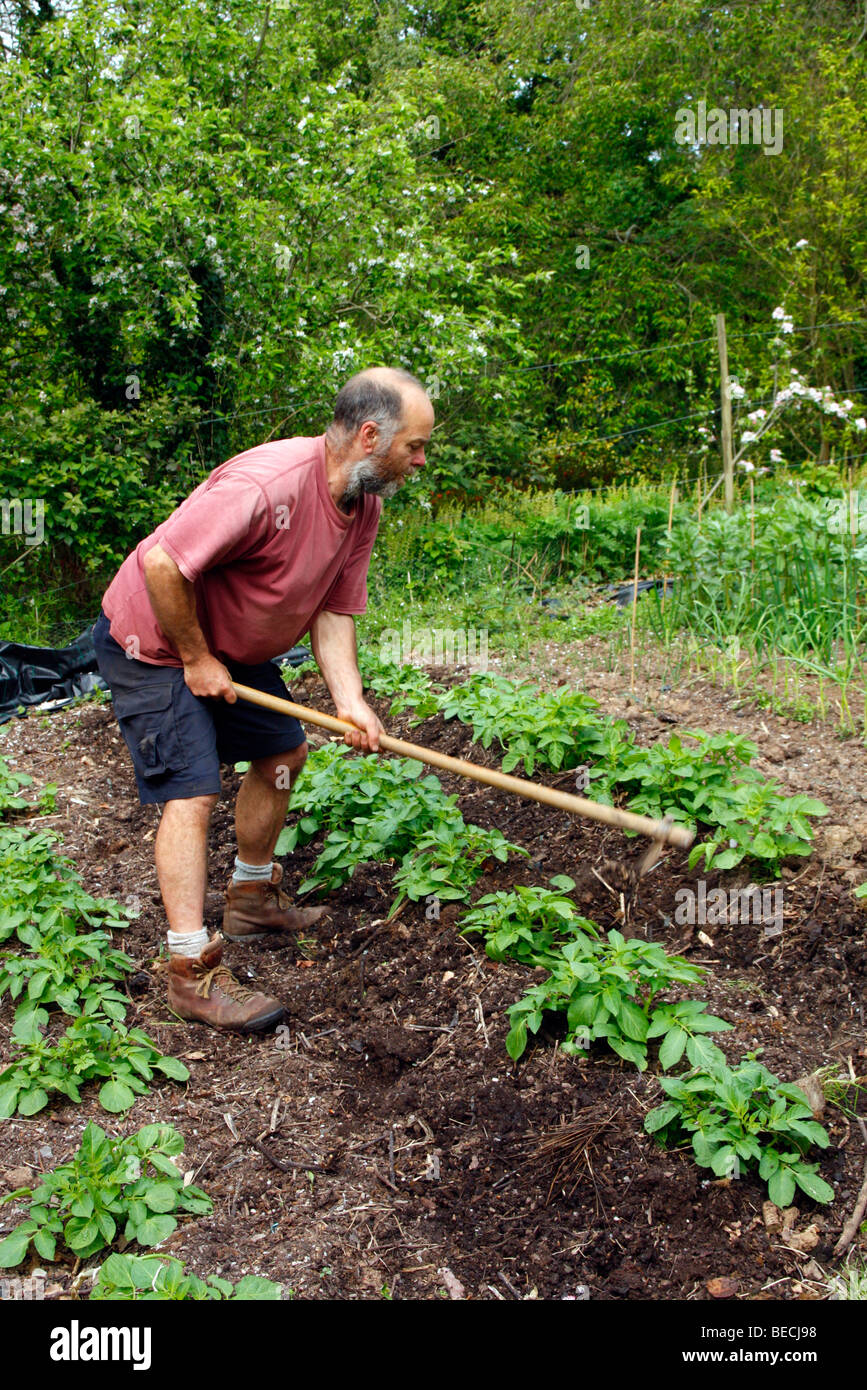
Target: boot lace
[(221, 977), (273, 890)]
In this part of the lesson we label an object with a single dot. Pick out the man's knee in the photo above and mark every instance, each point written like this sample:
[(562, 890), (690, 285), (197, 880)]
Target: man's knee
[(281, 769)]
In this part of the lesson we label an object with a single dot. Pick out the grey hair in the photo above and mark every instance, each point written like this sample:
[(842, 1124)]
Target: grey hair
[(367, 396)]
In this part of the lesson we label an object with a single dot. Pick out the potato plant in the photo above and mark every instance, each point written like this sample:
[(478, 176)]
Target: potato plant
[(129, 1187), (378, 809), (90, 1049), (743, 1115)]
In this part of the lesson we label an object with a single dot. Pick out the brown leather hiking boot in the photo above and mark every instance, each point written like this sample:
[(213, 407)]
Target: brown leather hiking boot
[(203, 990), (262, 911)]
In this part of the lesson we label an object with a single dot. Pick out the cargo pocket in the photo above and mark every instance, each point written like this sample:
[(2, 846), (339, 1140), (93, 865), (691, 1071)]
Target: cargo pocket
[(148, 723)]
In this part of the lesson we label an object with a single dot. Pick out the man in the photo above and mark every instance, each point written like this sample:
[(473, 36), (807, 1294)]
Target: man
[(275, 543)]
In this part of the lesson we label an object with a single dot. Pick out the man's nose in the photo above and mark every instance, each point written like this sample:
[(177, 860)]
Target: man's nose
[(418, 459)]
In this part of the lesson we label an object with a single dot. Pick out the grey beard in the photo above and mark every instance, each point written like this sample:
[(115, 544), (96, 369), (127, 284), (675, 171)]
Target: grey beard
[(364, 477)]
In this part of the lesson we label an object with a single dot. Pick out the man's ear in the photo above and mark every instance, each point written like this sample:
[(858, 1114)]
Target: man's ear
[(369, 434)]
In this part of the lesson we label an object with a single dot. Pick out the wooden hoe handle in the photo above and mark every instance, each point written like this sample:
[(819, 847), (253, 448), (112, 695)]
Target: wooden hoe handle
[(610, 815)]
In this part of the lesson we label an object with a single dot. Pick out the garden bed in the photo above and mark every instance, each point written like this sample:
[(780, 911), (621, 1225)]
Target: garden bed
[(382, 1143)]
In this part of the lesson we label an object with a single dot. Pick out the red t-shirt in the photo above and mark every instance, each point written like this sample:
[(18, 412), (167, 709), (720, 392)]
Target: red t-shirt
[(266, 549)]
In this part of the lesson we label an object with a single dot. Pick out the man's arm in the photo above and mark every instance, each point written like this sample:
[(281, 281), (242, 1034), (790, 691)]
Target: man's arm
[(173, 600), (333, 639)]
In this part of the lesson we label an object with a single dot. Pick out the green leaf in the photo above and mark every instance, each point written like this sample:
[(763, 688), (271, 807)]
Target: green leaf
[(164, 1165), (723, 1161), (154, 1229), (107, 1226), (704, 1054), (814, 1186), (15, 1246), (671, 1048), (661, 1116), (173, 1068), (516, 1041), (8, 1099), (116, 1096), (161, 1197), (45, 1244), (632, 1051), (708, 1023), (563, 883), (781, 1187), (117, 1270), (632, 1021), (253, 1286), (80, 1234), (32, 1101)]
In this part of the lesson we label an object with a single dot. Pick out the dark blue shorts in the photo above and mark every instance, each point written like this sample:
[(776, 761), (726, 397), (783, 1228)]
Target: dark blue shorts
[(177, 740)]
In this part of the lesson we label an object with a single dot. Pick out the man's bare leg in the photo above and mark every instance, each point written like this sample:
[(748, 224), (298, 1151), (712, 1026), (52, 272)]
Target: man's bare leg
[(263, 799), (200, 988), (181, 853), (260, 812)]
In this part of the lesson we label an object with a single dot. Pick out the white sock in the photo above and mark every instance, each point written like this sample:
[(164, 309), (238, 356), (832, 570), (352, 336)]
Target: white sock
[(186, 943), (251, 873)]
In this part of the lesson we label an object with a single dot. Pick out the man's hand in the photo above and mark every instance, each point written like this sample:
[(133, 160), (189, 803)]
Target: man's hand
[(208, 676), (333, 639), (365, 738)]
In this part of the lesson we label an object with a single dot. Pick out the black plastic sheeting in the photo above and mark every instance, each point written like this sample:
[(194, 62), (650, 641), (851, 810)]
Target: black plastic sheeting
[(52, 677), (621, 594), (47, 676)]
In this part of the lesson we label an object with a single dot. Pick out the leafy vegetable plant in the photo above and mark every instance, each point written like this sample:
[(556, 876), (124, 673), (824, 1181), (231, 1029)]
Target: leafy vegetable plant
[(147, 1278), (447, 860), (65, 969), (554, 729), (376, 808), (40, 889), (606, 986), (527, 924), (743, 1114), (127, 1186), (89, 1048), (409, 686), (710, 782), (10, 786)]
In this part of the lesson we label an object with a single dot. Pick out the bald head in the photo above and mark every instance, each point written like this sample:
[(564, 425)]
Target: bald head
[(382, 421), (378, 394)]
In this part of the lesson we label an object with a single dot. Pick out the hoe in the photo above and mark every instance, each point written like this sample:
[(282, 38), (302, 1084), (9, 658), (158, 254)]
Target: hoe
[(662, 831)]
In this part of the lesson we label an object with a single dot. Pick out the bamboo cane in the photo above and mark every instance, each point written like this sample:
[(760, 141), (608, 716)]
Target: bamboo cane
[(634, 613), (676, 835)]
